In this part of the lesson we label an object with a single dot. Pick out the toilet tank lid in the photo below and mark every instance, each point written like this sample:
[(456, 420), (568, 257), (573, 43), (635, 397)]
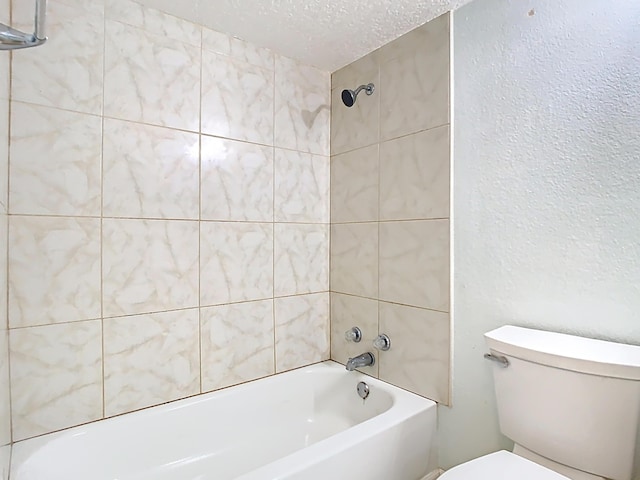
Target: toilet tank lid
[(569, 352), (501, 464)]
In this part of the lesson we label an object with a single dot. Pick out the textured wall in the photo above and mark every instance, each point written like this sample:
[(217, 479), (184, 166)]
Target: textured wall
[(390, 210), (168, 228), (5, 411), (547, 187)]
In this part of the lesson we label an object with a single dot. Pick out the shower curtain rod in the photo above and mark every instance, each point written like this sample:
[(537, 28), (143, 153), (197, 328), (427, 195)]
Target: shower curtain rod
[(12, 39)]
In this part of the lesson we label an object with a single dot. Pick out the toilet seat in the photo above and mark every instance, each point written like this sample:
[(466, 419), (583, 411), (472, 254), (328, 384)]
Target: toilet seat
[(501, 465)]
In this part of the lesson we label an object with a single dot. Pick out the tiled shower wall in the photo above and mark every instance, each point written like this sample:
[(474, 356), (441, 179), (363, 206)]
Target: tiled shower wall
[(5, 411), (390, 163), (168, 214)]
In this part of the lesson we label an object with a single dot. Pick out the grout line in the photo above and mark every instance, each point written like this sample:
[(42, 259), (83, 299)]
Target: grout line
[(380, 300), (102, 108), (200, 352)]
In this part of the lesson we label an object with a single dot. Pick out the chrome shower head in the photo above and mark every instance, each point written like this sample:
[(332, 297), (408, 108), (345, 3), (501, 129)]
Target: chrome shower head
[(349, 96)]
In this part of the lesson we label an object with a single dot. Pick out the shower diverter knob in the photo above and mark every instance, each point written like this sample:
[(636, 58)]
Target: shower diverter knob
[(382, 342), (353, 335)]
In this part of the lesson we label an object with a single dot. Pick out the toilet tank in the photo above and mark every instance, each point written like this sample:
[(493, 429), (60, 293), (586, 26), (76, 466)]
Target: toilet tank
[(573, 400)]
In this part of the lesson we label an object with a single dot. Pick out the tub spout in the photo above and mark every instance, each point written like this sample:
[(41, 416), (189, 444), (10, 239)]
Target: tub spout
[(364, 360)]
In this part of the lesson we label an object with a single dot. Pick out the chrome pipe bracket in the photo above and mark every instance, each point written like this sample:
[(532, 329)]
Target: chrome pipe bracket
[(499, 359)]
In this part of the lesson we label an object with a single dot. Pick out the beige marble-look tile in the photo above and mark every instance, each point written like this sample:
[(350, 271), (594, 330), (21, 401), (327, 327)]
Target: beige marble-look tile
[(414, 263), (414, 88), (354, 259), (149, 265), (357, 126), (236, 262), (302, 107), (347, 312), (302, 330), (237, 343), (5, 399), (150, 359), (415, 41), (154, 21), (67, 71), (414, 176), (54, 270), (55, 161), (5, 76), (236, 48), (4, 155), (5, 461), (419, 356), (150, 172), (301, 259), (56, 377), (354, 186), (302, 187), (360, 72), (150, 78), (237, 181), (237, 99)]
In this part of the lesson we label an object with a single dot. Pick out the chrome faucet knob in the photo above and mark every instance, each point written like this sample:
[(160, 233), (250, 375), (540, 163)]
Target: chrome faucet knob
[(353, 335), (382, 342)]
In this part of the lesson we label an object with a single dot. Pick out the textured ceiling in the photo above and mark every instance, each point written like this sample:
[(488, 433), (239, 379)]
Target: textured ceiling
[(325, 33)]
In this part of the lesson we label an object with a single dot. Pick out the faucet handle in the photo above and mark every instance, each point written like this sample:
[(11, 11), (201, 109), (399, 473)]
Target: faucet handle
[(382, 342), (353, 335)]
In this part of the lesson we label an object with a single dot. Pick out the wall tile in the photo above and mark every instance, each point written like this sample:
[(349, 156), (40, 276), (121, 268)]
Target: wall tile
[(236, 262), (354, 259), (236, 48), (419, 356), (150, 172), (54, 270), (237, 99), (354, 186), (5, 399), (4, 154), (414, 176), (302, 330), (150, 359), (67, 71), (360, 72), (302, 187), (434, 31), (302, 107), (5, 459), (237, 181), (301, 259), (154, 21), (56, 377), (414, 89), (357, 126), (55, 161), (141, 68), (414, 263), (237, 343), (348, 311), (149, 266)]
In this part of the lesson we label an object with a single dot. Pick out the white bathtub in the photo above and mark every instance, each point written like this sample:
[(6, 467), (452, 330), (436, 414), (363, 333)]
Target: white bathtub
[(305, 424)]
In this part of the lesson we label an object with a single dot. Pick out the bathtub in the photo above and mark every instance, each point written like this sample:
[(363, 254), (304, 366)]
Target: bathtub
[(304, 424)]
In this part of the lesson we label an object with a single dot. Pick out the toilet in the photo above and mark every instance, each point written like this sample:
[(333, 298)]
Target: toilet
[(570, 404)]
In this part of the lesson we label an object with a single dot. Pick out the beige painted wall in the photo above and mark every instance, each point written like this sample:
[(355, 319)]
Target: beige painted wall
[(547, 187), (169, 214), (390, 210)]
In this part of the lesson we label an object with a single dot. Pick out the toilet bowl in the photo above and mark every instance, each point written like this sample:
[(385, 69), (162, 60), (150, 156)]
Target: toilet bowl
[(501, 465)]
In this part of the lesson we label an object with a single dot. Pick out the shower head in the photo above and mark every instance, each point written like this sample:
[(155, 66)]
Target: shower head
[(349, 96)]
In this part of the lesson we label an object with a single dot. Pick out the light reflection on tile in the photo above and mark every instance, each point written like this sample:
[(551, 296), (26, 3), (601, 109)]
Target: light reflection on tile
[(150, 172)]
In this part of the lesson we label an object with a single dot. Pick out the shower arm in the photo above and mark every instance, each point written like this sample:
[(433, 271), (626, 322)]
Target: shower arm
[(12, 39)]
